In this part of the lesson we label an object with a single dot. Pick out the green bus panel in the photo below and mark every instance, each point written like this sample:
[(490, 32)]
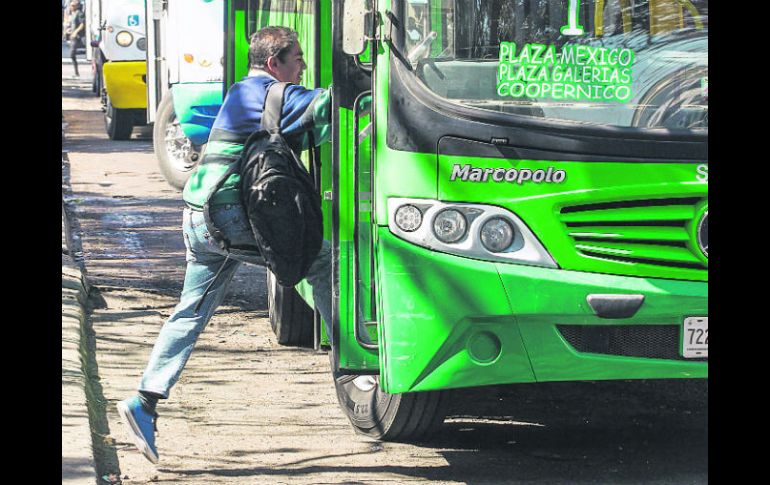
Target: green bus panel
[(503, 328), (323, 58), (241, 48)]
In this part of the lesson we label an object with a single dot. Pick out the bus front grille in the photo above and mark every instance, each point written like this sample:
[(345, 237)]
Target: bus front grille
[(649, 341), (649, 231)]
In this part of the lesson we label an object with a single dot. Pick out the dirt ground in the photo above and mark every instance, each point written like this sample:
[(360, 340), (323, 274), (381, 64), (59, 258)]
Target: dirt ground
[(248, 411)]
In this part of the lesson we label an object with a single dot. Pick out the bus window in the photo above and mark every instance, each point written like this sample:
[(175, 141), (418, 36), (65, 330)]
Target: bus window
[(295, 14), (625, 63)]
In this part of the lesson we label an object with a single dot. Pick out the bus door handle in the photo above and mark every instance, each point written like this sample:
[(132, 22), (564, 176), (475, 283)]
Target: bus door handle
[(365, 132)]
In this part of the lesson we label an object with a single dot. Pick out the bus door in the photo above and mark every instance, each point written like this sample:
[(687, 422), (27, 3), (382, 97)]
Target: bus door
[(354, 237)]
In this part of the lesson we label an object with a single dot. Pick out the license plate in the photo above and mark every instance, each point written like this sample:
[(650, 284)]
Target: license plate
[(695, 337)]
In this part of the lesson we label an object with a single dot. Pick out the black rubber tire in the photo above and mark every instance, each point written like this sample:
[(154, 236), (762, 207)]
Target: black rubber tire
[(290, 317), (407, 417), (119, 123), (176, 172), (96, 83)]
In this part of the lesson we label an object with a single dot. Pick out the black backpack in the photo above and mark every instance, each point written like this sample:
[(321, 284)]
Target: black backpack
[(280, 199)]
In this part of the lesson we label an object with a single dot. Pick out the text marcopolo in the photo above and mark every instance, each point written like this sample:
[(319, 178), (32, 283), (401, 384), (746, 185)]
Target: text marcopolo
[(511, 175)]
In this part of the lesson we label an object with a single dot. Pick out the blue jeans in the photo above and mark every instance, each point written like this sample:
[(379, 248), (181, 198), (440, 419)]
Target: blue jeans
[(205, 259)]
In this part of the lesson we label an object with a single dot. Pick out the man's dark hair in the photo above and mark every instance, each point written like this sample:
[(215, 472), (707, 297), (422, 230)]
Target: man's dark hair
[(271, 41)]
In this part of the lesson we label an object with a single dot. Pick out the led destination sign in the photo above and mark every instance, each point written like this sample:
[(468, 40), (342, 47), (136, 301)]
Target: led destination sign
[(575, 73)]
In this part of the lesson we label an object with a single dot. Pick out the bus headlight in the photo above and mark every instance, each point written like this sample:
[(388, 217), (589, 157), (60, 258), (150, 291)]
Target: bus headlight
[(124, 38), (497, 234), (449, 226), (141, 43), (478, 231), (408, 218)]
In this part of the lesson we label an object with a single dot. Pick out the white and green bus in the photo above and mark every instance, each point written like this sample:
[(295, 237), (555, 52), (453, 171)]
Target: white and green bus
[(184, 80)]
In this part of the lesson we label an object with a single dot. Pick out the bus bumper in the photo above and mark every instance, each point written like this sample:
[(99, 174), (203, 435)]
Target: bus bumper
[(196, 106), (126, 85), (450, 322)]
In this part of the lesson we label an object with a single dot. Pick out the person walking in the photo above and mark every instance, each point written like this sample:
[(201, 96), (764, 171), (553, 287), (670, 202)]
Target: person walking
[(76, 31), (274, 56)]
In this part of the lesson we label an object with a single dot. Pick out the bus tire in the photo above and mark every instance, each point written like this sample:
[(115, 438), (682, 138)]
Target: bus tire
[(119, 123), (177, 155), (95, 84), (290, 317), (96, 81), (407, 417)]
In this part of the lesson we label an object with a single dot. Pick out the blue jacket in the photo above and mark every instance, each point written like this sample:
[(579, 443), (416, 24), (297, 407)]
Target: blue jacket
[(241, 115)]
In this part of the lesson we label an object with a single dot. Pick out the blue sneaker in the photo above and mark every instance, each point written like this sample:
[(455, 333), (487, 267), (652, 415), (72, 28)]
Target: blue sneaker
[(140, 425)]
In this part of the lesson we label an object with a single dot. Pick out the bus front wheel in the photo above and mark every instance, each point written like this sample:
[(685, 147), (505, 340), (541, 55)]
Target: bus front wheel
[(118, 122), (407, 417), (177, 155), (290, 317)]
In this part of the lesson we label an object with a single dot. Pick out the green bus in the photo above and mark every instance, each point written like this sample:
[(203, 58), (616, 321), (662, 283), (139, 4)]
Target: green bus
[(525, 201)]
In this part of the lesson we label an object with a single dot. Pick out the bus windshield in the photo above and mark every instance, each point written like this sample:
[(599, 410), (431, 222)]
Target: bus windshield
[(629, 63)]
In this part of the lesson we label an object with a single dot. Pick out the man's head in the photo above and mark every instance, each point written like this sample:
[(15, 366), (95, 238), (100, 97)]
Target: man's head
[(75, 4), (276, 50)]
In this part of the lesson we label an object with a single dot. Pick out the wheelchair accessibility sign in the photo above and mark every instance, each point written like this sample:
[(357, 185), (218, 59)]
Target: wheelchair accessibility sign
[(133, 20)]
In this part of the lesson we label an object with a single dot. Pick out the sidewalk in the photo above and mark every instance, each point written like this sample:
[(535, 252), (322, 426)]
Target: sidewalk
[(78, 465)]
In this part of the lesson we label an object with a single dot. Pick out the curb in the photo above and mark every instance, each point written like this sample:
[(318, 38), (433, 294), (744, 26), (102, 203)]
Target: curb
[(78, 464)]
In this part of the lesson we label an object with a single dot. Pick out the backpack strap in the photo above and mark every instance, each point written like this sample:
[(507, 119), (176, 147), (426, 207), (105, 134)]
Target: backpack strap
[(273, 109), (214, 232)]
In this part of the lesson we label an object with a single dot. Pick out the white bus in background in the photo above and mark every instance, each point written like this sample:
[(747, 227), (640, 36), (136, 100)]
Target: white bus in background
[(117, 30), (184, 80)]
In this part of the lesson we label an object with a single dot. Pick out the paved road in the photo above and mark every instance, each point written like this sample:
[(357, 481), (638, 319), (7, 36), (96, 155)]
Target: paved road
[(250, 411)]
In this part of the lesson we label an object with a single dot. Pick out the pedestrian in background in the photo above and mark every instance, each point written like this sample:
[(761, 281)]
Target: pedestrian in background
[(76, 31)]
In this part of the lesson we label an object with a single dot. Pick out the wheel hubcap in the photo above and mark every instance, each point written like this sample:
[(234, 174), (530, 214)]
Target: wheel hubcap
[(178, 147), (365, 383)]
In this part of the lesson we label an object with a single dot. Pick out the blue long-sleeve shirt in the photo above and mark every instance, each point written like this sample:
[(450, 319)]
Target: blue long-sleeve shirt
[(241, 115)]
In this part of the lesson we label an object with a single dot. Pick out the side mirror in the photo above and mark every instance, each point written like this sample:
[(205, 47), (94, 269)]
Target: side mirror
[(357, 18)]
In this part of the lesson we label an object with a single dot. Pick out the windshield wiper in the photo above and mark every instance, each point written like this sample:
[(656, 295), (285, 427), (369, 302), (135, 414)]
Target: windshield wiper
[(392, 21)]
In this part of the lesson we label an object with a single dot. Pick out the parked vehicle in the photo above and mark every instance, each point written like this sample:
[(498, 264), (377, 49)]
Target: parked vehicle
[(527, 200), (184, 80), (120, 64)]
